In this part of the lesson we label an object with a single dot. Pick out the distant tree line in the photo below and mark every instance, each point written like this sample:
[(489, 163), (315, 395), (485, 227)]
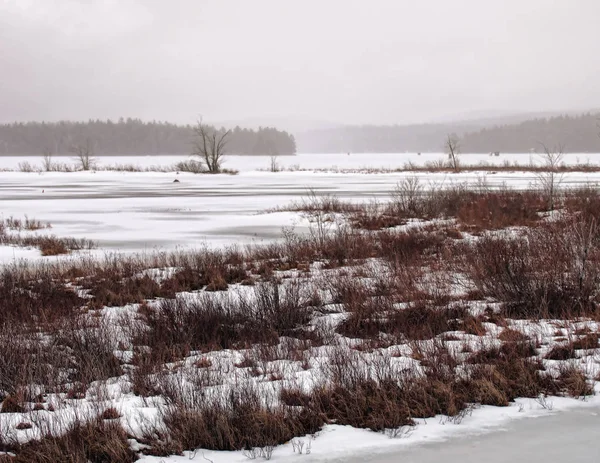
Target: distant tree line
[(574, 133), (379, 138), (132, 137)]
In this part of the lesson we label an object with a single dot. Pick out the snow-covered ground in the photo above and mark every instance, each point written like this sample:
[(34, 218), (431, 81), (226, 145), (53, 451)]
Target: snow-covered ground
[(145, 211), (311, 161)]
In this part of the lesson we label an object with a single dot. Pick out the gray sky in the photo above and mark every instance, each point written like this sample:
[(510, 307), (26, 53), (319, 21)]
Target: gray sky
[(344, 61)]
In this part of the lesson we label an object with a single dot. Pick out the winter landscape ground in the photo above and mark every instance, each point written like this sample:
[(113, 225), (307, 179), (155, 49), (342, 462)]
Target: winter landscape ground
[(314, 308)]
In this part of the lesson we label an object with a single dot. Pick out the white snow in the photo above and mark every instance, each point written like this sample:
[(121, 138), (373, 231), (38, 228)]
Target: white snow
[(136, 212), (142, 211)]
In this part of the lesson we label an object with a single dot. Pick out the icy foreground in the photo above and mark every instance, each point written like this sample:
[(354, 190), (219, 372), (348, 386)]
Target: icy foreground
[(359, 314), (521, 433)]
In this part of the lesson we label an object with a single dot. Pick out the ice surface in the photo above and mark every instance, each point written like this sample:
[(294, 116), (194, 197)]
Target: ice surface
[(143, 211)]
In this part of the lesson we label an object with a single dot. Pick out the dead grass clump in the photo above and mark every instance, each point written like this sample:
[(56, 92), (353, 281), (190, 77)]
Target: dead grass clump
[(89, 352), (237, 420), (12, 404), (546, 273), (583, 201), (177, 326), (561, 352), (573, 381), (421, 320), (174, 327), (12, 223), (511, 335), (493, 210), (114, 292), (390, 401), (470, 324), (185, 279), (293, 397), (25, 359), (345, 245), (283, 308), (505, 352), (511, 370), (370, 316), (375, 395), (408, 248), (35, 297), (369, 404), (504, 380), (589, 341), (327, 203), (211, 269), (97, 441), (48, 245)]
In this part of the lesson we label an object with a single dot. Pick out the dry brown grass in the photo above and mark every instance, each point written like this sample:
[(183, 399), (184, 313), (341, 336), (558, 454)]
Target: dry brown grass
[(96, 441), (408, 297)]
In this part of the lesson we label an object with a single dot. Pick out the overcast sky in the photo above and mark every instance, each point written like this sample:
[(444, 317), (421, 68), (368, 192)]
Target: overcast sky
[(344, 61)]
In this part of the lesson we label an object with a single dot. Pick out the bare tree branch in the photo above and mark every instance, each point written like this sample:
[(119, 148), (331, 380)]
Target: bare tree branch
[(453, 148), (84, 153), (550, 180), (209, 146)]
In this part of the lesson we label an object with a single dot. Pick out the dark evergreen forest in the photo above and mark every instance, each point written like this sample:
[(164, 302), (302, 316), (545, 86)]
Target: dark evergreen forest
[(576, 134), (132, 137)]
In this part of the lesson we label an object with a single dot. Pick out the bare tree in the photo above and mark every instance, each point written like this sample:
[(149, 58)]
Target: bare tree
[(47, 160), (209, 146), (550, 178), (275, 167), (584, 239), (408, 197), (84, 154), (453, 148)]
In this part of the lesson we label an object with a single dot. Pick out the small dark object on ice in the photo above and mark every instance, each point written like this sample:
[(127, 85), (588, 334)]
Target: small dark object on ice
[(176, 181)]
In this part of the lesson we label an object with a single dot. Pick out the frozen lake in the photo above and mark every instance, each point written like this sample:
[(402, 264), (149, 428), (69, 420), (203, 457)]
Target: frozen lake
[(143, 211), (569, 436), (312, 161)]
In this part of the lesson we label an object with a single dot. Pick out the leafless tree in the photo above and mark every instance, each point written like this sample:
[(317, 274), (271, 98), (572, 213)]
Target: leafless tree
[(408, 197), (47, 160), (209, 146), (275, 167), (453, 148), (550, 179), (584, 239), (84, 154)]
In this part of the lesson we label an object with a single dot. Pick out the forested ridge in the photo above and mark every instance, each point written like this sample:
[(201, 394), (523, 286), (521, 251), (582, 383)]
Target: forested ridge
[(575, 134), (132, 137), (578, 133)]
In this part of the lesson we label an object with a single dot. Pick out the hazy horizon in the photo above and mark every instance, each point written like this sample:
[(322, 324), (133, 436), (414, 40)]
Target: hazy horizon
[(337, 62)]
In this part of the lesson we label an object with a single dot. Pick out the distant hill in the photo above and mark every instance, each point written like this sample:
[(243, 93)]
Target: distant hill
[(379, 138), (287, 123), (132, 137), (505, 133), (491, 118), (576, 134)]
